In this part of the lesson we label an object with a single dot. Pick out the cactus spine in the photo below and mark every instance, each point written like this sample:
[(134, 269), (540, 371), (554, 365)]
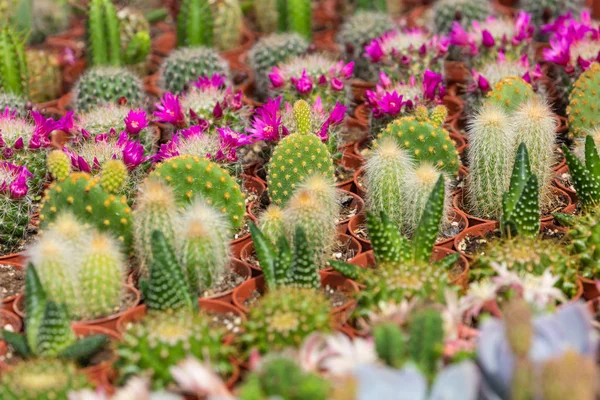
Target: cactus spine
[(103, 29), (13, 64)]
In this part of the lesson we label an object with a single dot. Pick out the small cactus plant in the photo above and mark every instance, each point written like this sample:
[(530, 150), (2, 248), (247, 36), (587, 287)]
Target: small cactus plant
[(297, 157), (45, 79), (104, 36), (582, 108), (585, 175), (583, 241), (16, 206), (13, 67), (190, 176), (284, 16), (270, 51), (463, 11), (546, 11), (185, 65), (107, 85), (284, 317), (16, 103), (510, 93), (206, 23), (134, 31)]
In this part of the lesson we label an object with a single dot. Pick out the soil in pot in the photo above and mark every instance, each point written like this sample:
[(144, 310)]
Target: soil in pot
[(337, 298), (343, 174), (348, 208), (230, 281), (29, 238), (12, 280)]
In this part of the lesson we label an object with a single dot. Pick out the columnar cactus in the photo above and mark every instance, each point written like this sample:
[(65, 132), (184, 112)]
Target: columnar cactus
[(84, 196), (13, 67), (171, 337), (463, 11), (424, 138), (492, 142), (209, 23), (296, 157), (45, 79), (426, 341), (582, 109), (585, 175), (284, 16), (510, 93), (270, 51), (48, 17), (107, 85), (134, 30), (356, 32), (284, 317), (190, 176), (271, 223), (104, 35), (185, 65), (41, 379)]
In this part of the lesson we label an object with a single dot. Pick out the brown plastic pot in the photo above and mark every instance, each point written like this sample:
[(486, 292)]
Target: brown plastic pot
[(362, 114), (102, 373), (12, 319), (559, 184), (358, 187), (241, 268), (359, 89), (108, 323), (458, 203), (590, 289), (331, 279), (325, 41), (248, 253), (239, 243), (18, 262), (357, 204), (456, 72), (455, 107), (350, 162), (474, 231), (367, 260)]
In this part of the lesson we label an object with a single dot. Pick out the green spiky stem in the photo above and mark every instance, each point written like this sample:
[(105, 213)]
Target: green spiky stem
[(105, 40)]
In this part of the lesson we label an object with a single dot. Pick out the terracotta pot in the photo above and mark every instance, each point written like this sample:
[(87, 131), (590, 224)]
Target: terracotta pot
[(237, 244), (458, 203), (359, 89), (568, 207), (331, 279), (109, 322), (357, 204), (255, 186), (248, 254), (258, 171), (355, 223), (455, 107), (362, 114), (325, 41), (242, 269), (459, 141), (415, 16), (474, 231), (164, 43), (103, 373), (595, 6), (456, 72), (18, 262), (590, 289), (367, 260), (561, 185), (358, 187), (350, 162), (12, 319), (151, 85)]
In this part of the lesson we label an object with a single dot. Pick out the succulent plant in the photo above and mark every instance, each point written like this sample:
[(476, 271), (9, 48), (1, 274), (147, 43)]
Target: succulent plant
[(206, 23), (284, 317), (284, 16), (16, 103), (424, 138), (134, 32), (45, 79), (107, 85), (46, 18), (185, 65), (270, 51), (16, 206), (190, 176), (403, 268), (44, 378), (463, 11), (84, 196), (586, 174), (297, 156), (544, 12), (13, 68), (280, 376), (358, 31), (581, 110), (104, 35), (510, 93), (310, 76), (171, 337)]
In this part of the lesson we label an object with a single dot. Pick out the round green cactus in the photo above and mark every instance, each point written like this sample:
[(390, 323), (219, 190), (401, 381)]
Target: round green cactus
[(102, 85), (191, 176), (295, 158), (113, 176), (462, 11), (171, 337), (83, 196), (545, 11), (14, 102), (14, 223), (185, 65), (270, 51), (425, 140), (41, 379), (59, 164), (583, 108), (285, 317), (510, 93)]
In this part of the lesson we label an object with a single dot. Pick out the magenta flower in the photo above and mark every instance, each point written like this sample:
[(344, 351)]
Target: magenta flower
[(322, 80), (82, 165), (18, 188), (323, 135), (169, 110), (337, 85), (337, 114), (233, 140), (384, 81), (136, 121), (432, 83), (523, 28), (133, 154), (391, 103), (347, 70), (459, 36), (167, 150), (217, 111), (216, 81), (304, 84), (14, 181), (192, 131), (374, 51), (276, 78), (267, 122), (487, 39), (19, 144), (559, 51)]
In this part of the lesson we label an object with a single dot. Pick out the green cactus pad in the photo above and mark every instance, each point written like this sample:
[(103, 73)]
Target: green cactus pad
[(583, 108), (510, 93), (192, 176), (294, 159)]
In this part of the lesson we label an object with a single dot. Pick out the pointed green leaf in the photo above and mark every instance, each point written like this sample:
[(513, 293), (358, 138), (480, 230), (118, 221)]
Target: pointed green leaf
[(304, 271), (265, 253), (35, 305), (18, 342), (350, 271), (586, 185), (387, 242), (283, 261), (526, 216), (55, 333), (566, 220), (592, 160), (447, 262), (429, 225), (82, 350), (167, 286), (520, 174)]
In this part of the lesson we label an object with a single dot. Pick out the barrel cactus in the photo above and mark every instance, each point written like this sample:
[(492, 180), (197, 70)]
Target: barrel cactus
[(582, 108), (463, 11), (107, 85)]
